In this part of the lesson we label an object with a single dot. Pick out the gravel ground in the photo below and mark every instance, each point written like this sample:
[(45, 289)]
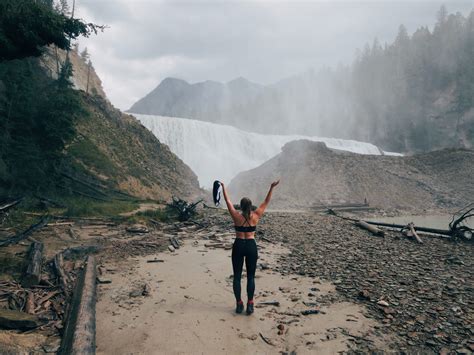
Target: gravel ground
[(426, 290)]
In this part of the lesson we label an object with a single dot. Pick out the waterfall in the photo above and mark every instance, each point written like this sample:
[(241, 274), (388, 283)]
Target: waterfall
[(215, 151)]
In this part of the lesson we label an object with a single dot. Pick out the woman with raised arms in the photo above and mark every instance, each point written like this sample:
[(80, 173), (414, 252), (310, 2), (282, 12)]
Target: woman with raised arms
[(245, 247)]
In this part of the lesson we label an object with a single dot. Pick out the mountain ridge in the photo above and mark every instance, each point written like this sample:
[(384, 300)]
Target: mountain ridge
[(207, 100)]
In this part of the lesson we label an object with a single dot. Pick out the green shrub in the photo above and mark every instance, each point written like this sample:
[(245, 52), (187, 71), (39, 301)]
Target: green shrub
[(87, 208)]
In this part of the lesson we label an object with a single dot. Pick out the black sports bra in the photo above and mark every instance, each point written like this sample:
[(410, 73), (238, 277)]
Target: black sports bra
[(245, 229)]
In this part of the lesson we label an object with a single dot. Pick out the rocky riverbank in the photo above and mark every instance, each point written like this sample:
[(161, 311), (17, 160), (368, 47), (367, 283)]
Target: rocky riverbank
[(421, 294), (400, 296)]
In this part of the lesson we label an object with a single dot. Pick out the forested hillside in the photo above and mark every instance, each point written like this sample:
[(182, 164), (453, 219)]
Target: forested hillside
[(59, 135), (415, 94), (418, 93)]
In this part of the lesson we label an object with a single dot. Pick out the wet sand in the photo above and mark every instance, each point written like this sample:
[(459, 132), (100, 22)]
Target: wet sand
[(190, 308)]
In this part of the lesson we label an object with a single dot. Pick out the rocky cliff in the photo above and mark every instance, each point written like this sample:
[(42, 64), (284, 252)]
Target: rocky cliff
[(311, 174)]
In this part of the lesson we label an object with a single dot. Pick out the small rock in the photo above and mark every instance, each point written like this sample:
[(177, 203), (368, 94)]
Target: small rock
[(135, 293), (171, 248), (364, 294), (146, 290), (137, 228), (52, 346), (103, 280), (264, 266)]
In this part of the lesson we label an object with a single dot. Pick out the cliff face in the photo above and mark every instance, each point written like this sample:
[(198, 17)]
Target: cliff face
[(311, 174), (84, 76)]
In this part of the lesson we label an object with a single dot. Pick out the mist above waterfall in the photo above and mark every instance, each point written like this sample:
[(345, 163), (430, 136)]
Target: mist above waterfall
[(412, 95), (216, 151)]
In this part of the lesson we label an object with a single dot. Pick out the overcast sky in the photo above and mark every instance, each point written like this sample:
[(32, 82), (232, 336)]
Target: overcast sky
[(263, 41)]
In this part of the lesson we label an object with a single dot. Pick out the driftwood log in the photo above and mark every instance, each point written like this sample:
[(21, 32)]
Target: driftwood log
[(59, 268), (174, 242), (457, 228), (411, 232), (18, 320), (183, 209), (30, 302), (372, 229), (32, 274), (79, 332), (26, 233)]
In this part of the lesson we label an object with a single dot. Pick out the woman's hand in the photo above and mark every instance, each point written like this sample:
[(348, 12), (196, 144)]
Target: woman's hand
[(275, 183)]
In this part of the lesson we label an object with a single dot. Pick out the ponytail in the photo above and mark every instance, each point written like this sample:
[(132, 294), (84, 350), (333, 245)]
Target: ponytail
[(246, 207)]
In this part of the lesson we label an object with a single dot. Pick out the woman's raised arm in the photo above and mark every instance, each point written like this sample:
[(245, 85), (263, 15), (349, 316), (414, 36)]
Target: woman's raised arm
[(228, 202), (265, 203)]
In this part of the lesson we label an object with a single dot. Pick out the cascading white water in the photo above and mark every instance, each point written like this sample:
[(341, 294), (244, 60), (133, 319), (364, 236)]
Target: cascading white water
[(219, 152)]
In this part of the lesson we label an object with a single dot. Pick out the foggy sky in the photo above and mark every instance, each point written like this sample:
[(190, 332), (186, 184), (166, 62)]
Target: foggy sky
[(263, 41)]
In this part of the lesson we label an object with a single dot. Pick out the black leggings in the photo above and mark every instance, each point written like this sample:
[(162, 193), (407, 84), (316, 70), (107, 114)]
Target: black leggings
[(244, 248)]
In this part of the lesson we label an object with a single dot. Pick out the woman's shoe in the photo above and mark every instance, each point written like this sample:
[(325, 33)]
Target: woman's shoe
[(249, 308), (240, 307)]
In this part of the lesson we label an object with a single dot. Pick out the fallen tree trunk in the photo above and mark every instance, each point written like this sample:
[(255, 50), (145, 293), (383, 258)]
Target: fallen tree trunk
[(88, 185), (47, 201), (455, 231), (101, 189), (79, 332), (80, 251), (370, 228), (25, 234), (83, 193), (420, 229), (32, 274), (6, 206), (18, 320)]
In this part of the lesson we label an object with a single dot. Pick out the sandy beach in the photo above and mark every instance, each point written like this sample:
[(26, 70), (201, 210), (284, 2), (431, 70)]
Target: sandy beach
[(189, 308)]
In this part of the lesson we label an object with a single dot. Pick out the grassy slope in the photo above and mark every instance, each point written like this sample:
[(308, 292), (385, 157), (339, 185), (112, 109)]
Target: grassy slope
[(119, 152)]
